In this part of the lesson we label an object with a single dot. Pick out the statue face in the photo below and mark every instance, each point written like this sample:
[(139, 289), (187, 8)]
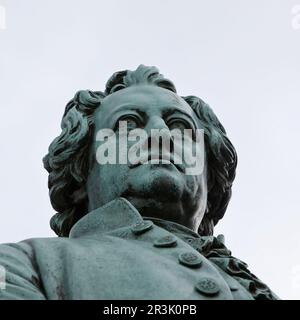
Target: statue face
[(157, 190)]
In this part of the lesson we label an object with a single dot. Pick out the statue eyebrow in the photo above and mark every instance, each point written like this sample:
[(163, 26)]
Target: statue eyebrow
[(168, 111), (171, 110), (131, 108), (137, 110)]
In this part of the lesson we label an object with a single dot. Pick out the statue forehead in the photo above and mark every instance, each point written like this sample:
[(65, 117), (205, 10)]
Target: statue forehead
[(145, 97)]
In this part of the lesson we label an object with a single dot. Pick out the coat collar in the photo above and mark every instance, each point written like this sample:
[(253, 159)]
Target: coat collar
[(113, 215), (117, 214)]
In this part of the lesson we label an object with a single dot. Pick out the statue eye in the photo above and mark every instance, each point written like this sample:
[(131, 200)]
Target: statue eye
[(131, 121), (179, 124)]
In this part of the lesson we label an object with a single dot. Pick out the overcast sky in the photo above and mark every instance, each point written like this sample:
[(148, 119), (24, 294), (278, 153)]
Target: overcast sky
[(242, 57)]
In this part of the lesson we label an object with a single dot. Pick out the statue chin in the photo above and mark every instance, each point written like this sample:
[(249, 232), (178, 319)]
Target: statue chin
[(157, 184)]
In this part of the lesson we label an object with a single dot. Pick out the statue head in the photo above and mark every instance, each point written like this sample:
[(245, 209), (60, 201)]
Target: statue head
[(146, 100)]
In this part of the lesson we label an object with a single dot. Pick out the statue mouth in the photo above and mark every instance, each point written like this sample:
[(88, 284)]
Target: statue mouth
[(159, 160)]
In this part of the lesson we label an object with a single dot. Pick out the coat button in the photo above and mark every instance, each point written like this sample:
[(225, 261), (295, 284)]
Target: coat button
[(207, 286), (233, 287), (142, 227), (165, 242), (190, 259)]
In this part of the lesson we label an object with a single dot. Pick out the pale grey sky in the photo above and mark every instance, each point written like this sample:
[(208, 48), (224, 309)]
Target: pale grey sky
[(242, 57)]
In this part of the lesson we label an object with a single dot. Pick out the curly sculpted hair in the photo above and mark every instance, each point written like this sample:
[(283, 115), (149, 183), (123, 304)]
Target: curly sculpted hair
[(67, 158)]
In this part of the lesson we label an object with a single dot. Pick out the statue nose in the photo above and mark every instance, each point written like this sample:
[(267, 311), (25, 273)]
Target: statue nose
[(155, 122), (159, 135)]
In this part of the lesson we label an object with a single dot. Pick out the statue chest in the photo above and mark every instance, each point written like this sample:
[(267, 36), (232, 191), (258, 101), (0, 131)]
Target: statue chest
[(124, 265)]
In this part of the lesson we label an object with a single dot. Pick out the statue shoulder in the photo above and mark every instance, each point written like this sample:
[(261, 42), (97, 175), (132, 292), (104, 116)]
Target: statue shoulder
[(19, 272)]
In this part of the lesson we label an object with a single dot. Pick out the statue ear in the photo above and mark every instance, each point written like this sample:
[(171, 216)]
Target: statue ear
[(79, 196)]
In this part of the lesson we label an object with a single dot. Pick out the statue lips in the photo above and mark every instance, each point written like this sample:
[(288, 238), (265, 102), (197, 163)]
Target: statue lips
[(164, 161)]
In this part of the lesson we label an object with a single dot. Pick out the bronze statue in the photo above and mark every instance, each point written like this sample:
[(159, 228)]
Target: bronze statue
[(133, 231)]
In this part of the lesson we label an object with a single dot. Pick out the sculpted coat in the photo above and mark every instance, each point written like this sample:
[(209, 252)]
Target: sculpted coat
[(113, 253)]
